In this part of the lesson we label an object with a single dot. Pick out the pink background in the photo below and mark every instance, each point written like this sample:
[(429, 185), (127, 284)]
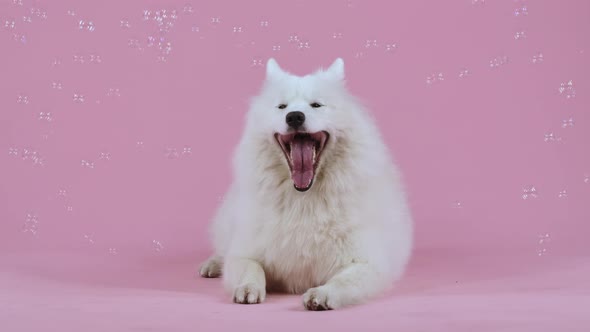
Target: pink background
[(116, 135)]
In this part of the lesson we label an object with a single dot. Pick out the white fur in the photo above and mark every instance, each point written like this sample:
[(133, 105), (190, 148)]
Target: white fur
[(343, 241)]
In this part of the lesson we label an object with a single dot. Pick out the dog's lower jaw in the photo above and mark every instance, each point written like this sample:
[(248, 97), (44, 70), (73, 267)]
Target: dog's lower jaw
[(302, 190)]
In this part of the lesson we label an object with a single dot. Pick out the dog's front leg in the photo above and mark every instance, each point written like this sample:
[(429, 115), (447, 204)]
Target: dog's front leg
[(355, 283), (245, 279)]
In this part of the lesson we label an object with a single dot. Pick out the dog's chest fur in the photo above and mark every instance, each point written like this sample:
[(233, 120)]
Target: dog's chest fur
[(308, 242)]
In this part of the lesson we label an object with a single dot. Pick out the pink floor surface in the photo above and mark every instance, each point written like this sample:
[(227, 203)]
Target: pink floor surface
[(118, 119), (443, 291)]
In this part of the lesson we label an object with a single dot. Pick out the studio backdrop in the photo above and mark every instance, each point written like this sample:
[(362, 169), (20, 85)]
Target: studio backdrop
[(118, 120)]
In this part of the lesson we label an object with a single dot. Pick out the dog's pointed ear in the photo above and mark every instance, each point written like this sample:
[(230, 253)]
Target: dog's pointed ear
[(273, 69), (337, 69)]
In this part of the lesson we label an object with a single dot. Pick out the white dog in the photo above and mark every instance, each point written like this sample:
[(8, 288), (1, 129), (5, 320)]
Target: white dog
[(316, 206)]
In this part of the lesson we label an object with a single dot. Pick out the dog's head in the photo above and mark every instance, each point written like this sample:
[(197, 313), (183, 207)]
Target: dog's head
[(304, 116)]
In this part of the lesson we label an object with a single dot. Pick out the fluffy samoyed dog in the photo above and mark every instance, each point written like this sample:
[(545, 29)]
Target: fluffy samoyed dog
[(316, 206)]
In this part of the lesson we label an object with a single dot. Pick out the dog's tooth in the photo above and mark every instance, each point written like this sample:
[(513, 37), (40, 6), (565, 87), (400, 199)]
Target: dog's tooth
[(313, 155)]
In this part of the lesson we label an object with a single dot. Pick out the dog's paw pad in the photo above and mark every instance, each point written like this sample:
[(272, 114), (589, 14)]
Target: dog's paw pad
[(317, 299), (249, 294), (210, 269)]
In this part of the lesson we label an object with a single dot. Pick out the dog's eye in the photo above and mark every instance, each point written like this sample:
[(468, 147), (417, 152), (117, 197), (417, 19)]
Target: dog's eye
[(316, 105), (282, 106)]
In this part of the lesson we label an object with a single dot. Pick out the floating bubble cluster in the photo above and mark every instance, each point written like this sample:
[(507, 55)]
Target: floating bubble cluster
[(390, 48), (31, 224), (520, 35), (45, 116), (39, 12), (90, 58), (95, 58), (551, 137), (567, 89), (114, 92), (55, 62), (542, 242), (151, 40), (78, 58), (157, 245), (56, 85), (464, 72), (134, 43), (171, 153), (371, 43), (434, 78), (86, 25), (521, 10), (303, 45), (529, 192), (163, 18), (105, 156), (9, 24), (537, 58), (174, 153), (567, 123), (188, 9), (498, 61), (32, 156), (256, 62), (78, 98), (19, 38), (87, 163), (22, 99), (544, 238), (89, 237), (125, 24)]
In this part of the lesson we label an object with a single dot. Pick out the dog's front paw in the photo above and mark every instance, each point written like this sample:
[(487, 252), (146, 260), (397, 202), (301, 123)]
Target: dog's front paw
[(249, 294), (211, 268), (319, 299)]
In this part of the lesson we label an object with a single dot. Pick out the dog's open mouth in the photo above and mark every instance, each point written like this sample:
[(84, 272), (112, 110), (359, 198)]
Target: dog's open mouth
[(303, 152)]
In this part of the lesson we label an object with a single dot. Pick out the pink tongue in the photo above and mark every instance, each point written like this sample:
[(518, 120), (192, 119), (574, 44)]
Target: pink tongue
[(302, 154)]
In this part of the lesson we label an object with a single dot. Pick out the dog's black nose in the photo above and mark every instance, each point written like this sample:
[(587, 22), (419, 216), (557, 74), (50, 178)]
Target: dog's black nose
[(295, 119)]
